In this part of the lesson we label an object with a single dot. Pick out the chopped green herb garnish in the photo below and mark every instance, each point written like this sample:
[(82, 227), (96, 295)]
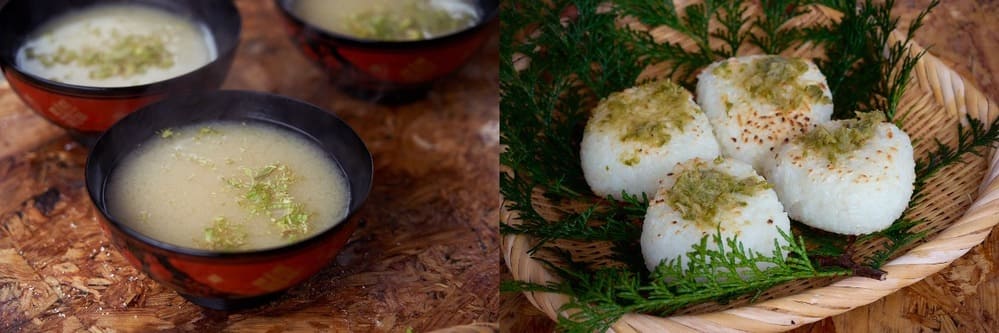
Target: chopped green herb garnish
[(294, 220), (166, 133), (124, 56), (206, 131), (630, 160), (406, 20), (700, 192), (266, 193), (847, 138), (200, 160), (649, 113), (223, 235), (774, 79)]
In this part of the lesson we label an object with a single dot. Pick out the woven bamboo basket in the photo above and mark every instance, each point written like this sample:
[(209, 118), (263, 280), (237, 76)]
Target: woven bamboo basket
[(960, 208)]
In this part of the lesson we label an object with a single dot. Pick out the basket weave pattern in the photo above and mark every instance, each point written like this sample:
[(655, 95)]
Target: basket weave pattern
[(959, 209)]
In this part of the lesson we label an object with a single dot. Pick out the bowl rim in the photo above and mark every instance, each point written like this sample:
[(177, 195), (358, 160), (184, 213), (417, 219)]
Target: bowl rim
[(354, 205), (490, 13), (123, 92)]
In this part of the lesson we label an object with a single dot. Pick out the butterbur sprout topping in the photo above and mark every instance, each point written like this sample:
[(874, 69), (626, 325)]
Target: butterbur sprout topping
[(124, 56), (224, 235), (265, 191)]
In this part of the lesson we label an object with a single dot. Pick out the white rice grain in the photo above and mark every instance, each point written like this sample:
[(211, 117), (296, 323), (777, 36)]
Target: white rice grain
[(749, 127), (863, 191), (667, 236)]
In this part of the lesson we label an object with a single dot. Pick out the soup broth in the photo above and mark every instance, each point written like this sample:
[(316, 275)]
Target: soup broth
[(390, 20), (116, 46), (228, 186)]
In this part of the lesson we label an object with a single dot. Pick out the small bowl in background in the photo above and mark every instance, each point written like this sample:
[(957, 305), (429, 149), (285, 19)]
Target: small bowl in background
[(87, 111), (229, 280), (387, 71)]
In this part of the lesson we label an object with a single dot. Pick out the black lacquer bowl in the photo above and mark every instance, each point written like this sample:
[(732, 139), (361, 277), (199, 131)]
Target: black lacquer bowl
[(87, 111), (388, 72), (231, 280)]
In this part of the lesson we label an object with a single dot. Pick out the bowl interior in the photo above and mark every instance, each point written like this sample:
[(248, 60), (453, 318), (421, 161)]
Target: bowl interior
[(489, 10), (19, 18), (331, 134)]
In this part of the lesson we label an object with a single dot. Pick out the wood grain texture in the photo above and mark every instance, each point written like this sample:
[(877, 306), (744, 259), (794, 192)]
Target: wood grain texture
[(962, 297), (425, 258)]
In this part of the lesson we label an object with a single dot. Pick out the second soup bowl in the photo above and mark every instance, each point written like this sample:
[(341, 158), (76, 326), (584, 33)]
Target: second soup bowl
[(387, 71), (86, 111)]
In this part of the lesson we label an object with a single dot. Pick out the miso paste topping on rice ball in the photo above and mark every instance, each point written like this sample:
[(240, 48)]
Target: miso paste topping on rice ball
[(755, 103), (636, 136), (847, 176), (704, 197)]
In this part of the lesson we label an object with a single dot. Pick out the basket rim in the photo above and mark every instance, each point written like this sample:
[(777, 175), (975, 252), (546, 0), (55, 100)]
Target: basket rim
[(790, 311)]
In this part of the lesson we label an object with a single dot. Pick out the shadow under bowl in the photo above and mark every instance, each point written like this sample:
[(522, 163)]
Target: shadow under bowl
[(229, 280), (388, 72), (86, 111)]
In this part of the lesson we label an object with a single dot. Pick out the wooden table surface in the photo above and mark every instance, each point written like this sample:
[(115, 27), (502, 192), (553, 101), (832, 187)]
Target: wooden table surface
[(425, 258), (965, 296)]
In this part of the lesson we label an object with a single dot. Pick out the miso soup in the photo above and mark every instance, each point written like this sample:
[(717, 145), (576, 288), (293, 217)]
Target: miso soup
[(389, 20), (228, 186), (116, 46)]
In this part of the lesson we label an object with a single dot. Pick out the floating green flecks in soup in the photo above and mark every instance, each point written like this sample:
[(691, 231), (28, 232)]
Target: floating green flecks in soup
[(228, 186), (394, 20), (116, 46)]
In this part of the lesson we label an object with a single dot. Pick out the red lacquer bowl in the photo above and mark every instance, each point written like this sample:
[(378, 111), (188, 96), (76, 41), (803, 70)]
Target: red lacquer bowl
[(87, 111), (387, 71), (221, 280)]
